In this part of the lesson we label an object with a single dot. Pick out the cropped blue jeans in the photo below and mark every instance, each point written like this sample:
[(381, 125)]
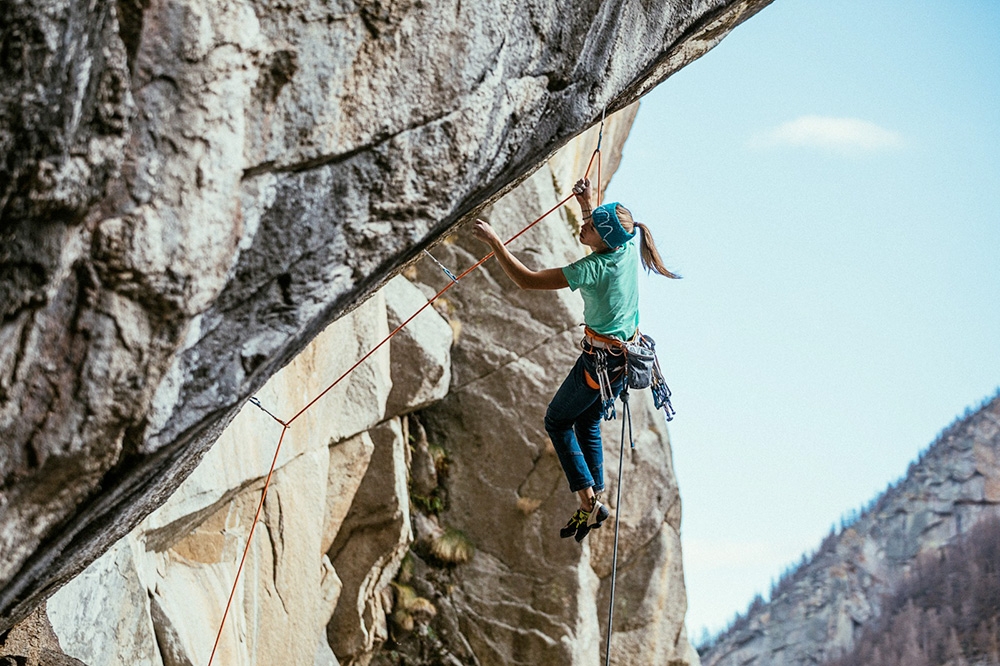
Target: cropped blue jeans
[(573, 421)]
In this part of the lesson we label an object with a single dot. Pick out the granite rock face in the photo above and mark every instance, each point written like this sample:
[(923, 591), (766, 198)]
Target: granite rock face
[(425, 341), (821, 607), (34, 643), (512, 353), (346, 564), (191, 191)]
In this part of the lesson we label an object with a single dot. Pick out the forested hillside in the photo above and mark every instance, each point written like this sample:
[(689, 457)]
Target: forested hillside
[(881, 584), (945, 612)]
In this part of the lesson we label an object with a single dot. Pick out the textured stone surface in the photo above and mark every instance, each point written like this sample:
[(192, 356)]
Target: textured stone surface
[(368, 550), (193, 190), (528, 596), (186, 552), (245, 450), (64, 119), (425, 345), (110, 589), (824, 605), (33, 643), (336, 523)]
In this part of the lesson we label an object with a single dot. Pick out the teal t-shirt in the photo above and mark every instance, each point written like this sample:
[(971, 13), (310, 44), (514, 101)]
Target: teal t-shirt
[(609, 284)]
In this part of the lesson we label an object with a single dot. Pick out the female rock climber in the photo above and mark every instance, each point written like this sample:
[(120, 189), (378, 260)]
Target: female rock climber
[(608, 281)]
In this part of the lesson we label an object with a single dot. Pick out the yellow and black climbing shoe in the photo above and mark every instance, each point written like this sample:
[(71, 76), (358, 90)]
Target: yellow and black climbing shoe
[(595, 518), (578, 520)]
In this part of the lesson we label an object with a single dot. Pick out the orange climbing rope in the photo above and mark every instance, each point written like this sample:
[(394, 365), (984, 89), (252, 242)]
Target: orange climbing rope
[(287, 424)]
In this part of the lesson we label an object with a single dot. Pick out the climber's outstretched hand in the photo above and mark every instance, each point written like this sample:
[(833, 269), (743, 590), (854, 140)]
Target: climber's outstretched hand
[(482, 230)]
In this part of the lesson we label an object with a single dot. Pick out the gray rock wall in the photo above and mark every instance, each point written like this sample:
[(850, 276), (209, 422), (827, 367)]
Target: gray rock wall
[(323, 576), (512, 353), (191, 191)]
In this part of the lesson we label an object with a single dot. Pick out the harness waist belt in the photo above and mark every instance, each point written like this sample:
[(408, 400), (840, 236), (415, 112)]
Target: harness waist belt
[(598, 341)]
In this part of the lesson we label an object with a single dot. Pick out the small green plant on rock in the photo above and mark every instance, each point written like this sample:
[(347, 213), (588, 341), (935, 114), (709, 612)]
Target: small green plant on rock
[(452, 547), (427, 472), (432, 504), (409, 610), (405, 574), (440, 458)]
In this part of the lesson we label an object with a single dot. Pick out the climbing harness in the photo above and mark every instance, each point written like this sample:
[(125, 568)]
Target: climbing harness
[(642, 369), (600, 347), (285, 425)]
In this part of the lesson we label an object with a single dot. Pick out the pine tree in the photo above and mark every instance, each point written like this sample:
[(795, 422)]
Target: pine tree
[(953, 654)]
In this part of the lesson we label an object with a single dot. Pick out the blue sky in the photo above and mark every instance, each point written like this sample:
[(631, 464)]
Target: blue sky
[(827, 181)]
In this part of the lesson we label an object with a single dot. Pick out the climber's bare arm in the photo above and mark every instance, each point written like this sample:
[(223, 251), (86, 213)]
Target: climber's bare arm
[(523, 277)]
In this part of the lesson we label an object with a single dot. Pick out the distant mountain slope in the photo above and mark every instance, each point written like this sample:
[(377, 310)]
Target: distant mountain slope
[(820, 609), (946, 612)]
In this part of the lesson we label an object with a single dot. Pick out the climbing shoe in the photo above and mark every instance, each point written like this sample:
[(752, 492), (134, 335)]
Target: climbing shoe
[(578, 520), (598, 514)]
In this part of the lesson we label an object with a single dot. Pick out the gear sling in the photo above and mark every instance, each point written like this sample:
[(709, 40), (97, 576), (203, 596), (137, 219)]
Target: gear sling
[(642, 369)]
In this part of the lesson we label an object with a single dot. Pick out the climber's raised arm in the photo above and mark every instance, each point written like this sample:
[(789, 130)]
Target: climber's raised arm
[(523, 277)]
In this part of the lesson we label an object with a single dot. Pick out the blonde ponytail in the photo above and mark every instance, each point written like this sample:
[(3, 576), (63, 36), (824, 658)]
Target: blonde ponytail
[(647, 248)]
